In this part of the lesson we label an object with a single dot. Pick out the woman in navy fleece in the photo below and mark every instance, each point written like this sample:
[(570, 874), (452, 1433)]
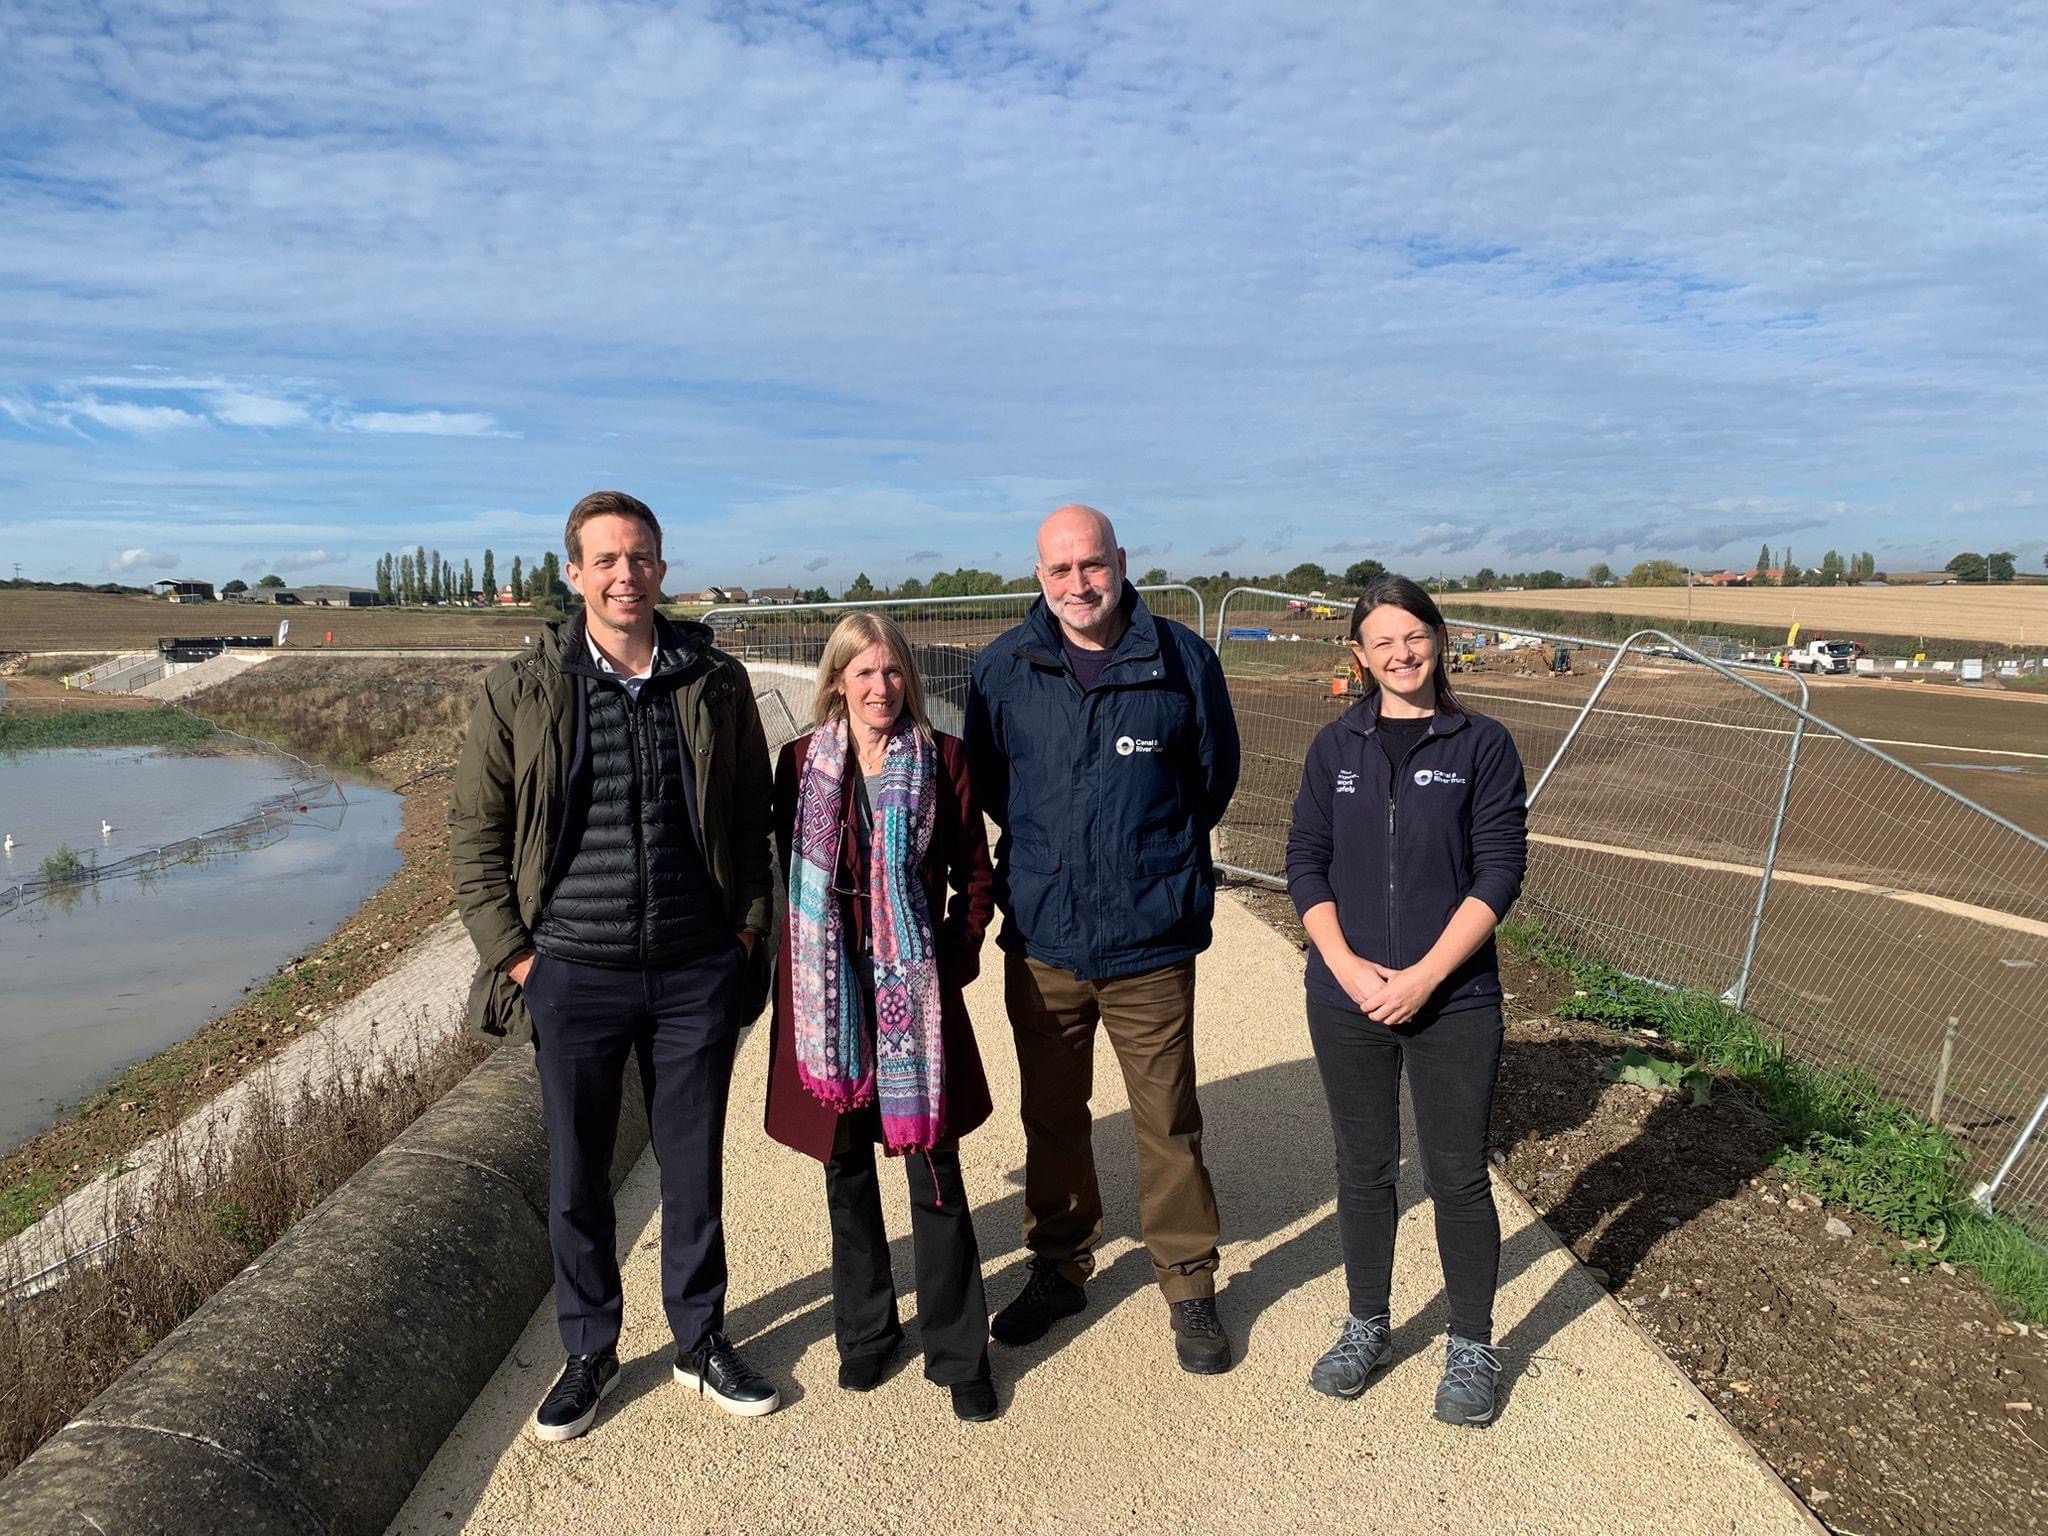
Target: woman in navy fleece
[(1407, 849)]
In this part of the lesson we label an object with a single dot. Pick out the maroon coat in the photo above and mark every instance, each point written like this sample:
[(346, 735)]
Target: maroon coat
[(959, 858)]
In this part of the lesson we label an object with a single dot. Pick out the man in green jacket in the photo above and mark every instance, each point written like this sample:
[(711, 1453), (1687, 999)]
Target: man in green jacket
[(611, 859)]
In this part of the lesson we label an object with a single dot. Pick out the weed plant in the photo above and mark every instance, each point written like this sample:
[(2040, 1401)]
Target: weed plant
[(1843, 1139), (66, 867), (208, 1213), (163, 727)]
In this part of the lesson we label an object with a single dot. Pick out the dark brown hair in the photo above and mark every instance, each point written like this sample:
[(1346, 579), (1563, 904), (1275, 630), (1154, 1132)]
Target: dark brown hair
[(1394, 591), (607, 504)]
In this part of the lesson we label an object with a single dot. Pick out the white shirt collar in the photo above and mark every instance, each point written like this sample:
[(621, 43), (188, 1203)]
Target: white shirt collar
[(604, 663)]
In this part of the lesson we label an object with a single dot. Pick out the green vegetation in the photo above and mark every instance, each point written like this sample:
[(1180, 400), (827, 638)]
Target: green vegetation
[(1842, 1138), (164, 727), (65, 867), (21, 1205)]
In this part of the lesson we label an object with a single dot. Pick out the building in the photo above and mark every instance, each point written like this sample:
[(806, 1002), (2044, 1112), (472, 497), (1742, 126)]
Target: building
[(507, 600), (773, 595), (1721, 578), (713, 595), (331, 597), (184, 591)]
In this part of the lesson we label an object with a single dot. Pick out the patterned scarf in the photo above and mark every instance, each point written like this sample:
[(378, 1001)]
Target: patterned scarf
[(903, 1070)]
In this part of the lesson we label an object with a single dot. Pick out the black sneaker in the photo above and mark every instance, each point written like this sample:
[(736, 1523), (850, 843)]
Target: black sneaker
[(1198, 1337), (571, 1403), (1047, 1297), (716, 1371), (974, 1401), (1469, 1395)]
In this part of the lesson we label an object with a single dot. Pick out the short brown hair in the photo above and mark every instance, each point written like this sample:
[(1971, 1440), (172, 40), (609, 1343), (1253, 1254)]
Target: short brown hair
[(607, 504)]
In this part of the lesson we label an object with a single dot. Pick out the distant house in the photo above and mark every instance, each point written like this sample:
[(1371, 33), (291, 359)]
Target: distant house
[(713, 595), (773, 595), (1721, 578), (330, 596), (507, 600), (184, 591)]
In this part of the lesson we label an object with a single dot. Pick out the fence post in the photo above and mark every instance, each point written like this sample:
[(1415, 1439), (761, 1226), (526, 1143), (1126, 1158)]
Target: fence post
[(1948, 1056), (1739, 993), (1986, 1193)]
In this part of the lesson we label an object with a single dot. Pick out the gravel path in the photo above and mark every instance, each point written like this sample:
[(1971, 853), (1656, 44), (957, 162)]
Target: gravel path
[(1100, 1430)]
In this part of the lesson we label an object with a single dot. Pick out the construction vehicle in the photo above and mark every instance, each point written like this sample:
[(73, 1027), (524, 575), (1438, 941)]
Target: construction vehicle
[(1815, 654), (1306, 609)]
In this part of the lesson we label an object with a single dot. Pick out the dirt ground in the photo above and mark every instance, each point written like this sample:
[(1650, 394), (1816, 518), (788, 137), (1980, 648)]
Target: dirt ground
[(2014, 614), (1895, 1402), (54, 621)]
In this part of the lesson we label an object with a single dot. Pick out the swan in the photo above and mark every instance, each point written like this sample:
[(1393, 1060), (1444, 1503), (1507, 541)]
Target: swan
[(106, 827), (9, 845)]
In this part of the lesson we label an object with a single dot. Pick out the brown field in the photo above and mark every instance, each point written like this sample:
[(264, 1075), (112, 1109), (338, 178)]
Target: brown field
[(2009, 615), (93, 621)]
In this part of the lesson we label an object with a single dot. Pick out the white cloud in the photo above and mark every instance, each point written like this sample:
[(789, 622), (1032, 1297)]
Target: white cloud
[(304, 560), (420, 423), (130, 560), (240, 408)]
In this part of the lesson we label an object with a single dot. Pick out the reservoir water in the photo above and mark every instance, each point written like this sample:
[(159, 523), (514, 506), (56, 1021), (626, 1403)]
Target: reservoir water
[(120, 968)]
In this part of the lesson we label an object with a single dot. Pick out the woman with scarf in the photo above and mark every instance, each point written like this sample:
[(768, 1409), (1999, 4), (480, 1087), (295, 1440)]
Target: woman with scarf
[(872, 1042)]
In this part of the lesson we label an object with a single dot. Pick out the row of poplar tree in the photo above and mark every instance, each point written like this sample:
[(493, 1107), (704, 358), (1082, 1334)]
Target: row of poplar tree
[(422, 576)]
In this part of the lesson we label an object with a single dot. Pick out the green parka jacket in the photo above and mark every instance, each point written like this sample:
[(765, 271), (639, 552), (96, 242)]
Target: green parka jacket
[(506, 807)]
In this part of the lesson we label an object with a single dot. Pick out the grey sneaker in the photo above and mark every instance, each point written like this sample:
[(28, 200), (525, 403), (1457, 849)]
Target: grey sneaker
[(1469, 1393), (1346, 1366)]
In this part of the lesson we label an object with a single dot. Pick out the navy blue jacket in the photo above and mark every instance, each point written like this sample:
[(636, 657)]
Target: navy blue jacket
[(1398, 852), (1105, 798)]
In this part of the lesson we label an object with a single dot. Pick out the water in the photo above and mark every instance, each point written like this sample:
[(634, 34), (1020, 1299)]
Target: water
[(122, 968)]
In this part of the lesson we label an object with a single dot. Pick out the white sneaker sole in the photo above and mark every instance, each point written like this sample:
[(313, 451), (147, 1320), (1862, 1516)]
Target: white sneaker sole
[(731, 1405), (557, 1432)]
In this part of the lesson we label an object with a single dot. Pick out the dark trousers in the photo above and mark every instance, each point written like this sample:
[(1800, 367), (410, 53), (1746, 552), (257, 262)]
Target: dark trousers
[(1452, 1064), (683, 1024), (952, 1312), (1151, 1022)]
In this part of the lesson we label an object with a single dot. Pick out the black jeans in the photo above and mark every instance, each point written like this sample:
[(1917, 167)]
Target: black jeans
[(1452, 1064), (683, 1024), (951, 1308)]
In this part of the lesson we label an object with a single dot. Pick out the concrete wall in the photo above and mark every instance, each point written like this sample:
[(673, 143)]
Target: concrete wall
[(309, 1395)]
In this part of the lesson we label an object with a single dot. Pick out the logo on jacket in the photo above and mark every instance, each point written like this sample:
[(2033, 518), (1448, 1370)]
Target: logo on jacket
[(1126, 745), (1437, 776), (1347, 781)]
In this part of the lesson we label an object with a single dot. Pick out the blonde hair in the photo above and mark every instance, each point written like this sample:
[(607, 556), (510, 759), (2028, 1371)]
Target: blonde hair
[(856, 632)]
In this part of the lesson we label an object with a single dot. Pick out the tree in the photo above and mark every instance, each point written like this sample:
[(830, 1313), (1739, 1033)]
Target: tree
[(272, 580), (234, 587), (384, 579), (490, 577), (1763, 566), (861, 590), (1546, 581), (814, 595), (912, 588), (1359, 572), (1968, 566), (1306, 577), (518, 582), (1487, 579), (1999, 567), (468, 579), (1601, 573), (1156, 577), (1657, 573)]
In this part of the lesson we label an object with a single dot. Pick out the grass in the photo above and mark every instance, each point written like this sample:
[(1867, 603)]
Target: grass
[(345, 713), (210, 1212), (24, 1202), (165, 727), (1843, 1140)]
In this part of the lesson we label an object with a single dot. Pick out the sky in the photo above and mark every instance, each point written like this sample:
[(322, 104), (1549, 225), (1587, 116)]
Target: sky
[(851, 287)]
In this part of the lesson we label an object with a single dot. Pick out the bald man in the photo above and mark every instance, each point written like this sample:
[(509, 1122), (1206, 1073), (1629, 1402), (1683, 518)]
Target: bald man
[(1103, 745)]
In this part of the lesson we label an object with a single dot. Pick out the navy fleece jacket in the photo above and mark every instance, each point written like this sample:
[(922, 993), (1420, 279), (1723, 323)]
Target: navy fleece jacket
[(1398, 851)]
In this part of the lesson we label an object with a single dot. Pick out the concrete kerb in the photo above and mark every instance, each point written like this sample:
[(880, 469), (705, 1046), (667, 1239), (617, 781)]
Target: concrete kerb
[(310, 1394)]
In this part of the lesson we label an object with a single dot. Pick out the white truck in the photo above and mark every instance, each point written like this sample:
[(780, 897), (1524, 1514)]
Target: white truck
[(1818, 654)]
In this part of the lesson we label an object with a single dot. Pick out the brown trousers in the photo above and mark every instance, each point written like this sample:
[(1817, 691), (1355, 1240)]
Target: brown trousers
[(1151, 1023)]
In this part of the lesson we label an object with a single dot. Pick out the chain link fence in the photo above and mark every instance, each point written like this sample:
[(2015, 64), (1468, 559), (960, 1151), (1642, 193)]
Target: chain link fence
[(1694, 824)]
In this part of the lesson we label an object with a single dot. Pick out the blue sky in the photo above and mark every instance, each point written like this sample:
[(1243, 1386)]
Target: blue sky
[(841, 287)]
